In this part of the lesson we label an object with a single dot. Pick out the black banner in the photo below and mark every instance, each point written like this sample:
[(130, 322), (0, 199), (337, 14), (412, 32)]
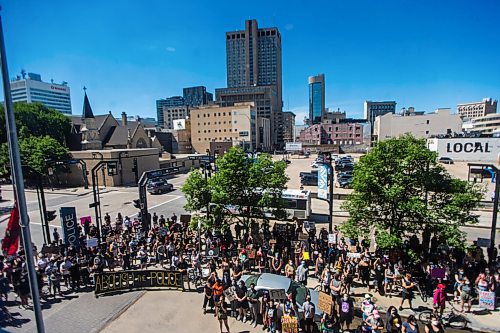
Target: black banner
[(109, 282)]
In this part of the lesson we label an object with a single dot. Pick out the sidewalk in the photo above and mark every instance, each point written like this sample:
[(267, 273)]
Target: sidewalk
[(479, 320), (77, 191)]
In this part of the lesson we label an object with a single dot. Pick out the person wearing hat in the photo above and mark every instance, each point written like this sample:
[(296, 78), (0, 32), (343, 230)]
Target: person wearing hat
[(368, 306), (374, 322), (439, 299)]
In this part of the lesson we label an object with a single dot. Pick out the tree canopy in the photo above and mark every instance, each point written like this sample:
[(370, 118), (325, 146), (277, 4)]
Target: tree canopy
[(247, 184), (400, 190), (42, 134)]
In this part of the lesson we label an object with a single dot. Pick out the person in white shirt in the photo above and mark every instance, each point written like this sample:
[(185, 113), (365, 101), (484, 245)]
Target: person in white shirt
[(64, 268)]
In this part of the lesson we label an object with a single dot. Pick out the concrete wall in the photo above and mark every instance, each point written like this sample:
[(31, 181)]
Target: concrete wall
[(467, 149)]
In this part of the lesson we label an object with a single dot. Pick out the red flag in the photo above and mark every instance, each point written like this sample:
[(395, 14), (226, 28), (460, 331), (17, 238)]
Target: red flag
[(10, 242)]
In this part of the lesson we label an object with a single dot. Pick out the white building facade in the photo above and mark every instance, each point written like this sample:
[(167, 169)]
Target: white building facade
[(32, 89), (467, 149), (421, 126)]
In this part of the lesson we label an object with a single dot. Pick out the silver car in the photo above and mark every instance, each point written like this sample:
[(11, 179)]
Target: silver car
[(267, 281)]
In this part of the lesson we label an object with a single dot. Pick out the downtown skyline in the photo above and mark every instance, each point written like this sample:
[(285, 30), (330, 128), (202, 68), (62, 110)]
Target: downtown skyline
[(427, 55)]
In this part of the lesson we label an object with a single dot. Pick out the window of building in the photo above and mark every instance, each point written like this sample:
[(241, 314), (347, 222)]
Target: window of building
[(427, 121), (427, 132)]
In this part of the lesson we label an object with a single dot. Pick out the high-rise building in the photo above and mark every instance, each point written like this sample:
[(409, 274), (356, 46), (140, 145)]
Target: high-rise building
[(196, 96), (316, 99), (374, 109), (288, 126), (253, 60), (32, 89), (167, 102), (477, 109), (171, 113)]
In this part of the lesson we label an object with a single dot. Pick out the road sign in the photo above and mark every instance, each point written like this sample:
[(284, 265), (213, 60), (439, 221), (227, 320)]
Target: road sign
[(323, 181), (92, 205)]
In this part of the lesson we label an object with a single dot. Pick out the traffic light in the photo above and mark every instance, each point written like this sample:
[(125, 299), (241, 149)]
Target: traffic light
[(137, 203), (51, 215)]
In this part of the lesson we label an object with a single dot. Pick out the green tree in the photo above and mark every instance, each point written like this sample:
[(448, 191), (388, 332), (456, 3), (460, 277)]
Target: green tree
[(400, 190), (42, 134), (247, 184)]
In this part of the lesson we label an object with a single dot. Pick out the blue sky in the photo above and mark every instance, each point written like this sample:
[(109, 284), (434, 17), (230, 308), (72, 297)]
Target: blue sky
[(426, 54)]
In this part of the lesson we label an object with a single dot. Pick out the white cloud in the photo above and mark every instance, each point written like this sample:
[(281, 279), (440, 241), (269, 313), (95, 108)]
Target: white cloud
[(170, 49)]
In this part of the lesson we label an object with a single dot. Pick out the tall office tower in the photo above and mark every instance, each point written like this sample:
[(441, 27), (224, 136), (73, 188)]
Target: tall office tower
[(32, 89), (374, 109), (173, 101), (196, 96), (316, 99), (253, 60)]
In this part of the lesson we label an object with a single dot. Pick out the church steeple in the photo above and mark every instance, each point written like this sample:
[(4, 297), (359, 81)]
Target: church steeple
[(87, 109)]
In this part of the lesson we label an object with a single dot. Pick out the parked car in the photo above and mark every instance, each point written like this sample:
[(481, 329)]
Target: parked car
[(445, 160), (314, 165), (344, 182), (309, 179), (266, 281), (344, 166), (348, 173), (159, 186)]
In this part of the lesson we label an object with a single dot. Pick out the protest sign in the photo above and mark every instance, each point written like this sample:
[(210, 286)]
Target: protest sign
[(438, 273), (92, 242), (305, 255), (289, 324), (212, 252), (230, 294), (487, 300), (332, 239), (277, 294), (325, 302), (123, 281), (85, 218), (69, 226)]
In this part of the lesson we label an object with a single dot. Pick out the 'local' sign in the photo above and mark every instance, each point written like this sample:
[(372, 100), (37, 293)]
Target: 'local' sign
[(70, 226)]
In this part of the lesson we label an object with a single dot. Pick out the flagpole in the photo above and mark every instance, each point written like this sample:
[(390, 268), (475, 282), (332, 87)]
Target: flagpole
[(17, 178)]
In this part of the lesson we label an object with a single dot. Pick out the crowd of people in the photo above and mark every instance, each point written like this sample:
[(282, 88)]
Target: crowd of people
[(335, 265)]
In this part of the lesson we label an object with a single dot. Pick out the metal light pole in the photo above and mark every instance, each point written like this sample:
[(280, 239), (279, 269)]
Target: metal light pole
[(17, 178)]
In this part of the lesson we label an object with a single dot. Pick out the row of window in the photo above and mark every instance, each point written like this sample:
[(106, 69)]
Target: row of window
[(220, 131)]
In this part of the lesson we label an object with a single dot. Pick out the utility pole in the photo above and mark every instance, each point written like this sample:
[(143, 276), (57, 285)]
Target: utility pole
[(17, 179)]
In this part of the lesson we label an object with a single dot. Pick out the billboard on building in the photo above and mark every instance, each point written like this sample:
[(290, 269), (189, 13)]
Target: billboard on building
[(466, 149), (293, 146), (179, 124)]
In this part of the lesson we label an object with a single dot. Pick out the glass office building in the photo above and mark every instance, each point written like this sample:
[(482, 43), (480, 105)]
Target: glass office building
[(316, 99)]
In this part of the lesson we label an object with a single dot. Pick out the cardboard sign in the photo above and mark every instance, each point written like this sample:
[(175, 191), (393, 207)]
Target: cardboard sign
[(438, 273), (487, 300), (92, 242), (302, 236), (230, 294), (325, 302), (353, 255), (277, 294), (289, 324)]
